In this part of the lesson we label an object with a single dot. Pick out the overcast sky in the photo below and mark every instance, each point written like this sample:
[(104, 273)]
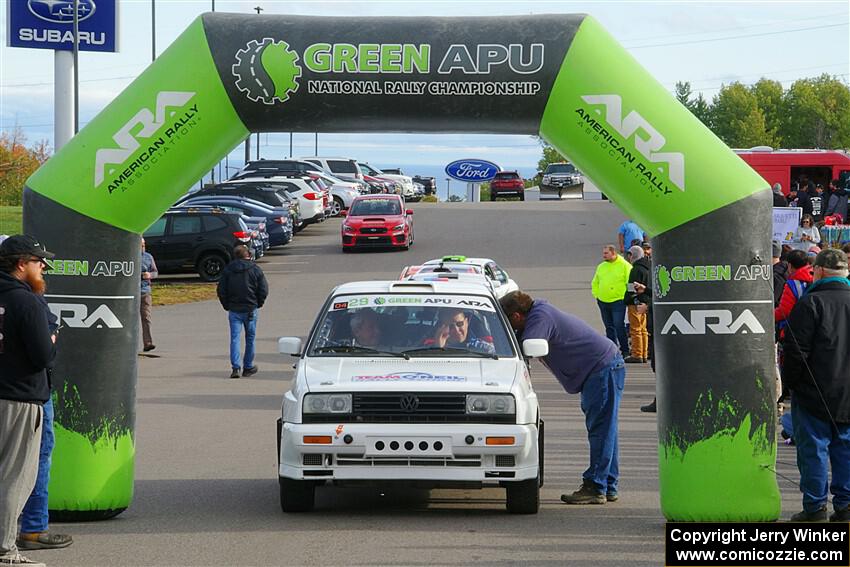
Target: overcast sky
[(708, 44)]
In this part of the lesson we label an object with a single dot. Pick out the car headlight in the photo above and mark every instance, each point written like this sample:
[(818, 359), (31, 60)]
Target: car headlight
[(490, 404), (346, 228), (398, 227), (327, 403)]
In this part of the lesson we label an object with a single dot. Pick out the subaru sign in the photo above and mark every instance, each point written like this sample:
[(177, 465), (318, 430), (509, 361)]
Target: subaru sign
[(472, 170), (49, 24)]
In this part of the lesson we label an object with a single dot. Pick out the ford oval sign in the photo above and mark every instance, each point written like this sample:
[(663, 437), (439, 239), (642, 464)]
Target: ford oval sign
[(61, 11), (472, 170)]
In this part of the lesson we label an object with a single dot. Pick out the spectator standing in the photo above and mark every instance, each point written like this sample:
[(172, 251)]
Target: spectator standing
[(641, 273), (583, 362), (609, 286), (817, 371), (27, 350), (628, 235), (807, 235), (837, 204), (804, 197), (800, 276), (780, 272), (779, 199), (242, 291), (818, 203), (148, 272)]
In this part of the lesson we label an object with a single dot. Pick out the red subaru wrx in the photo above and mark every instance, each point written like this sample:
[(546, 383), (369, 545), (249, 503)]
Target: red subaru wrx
[(375, 221)]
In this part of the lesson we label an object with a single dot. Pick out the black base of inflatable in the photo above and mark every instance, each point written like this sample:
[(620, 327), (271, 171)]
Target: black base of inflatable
[(83, 516)]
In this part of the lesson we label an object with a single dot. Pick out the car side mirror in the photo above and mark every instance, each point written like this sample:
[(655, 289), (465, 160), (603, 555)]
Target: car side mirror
[(289, 345), (535, 348), (408, 212)]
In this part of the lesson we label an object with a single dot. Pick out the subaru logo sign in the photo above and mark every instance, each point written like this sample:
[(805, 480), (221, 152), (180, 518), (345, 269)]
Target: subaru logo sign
[(472, 170), (61, 11)]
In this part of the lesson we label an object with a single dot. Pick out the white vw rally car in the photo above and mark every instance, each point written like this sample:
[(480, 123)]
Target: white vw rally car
[(419, 383)]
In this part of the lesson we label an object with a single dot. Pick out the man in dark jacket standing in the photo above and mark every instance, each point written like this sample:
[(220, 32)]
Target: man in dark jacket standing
[(817, 371), (242, 290), (641, 273), (27, 349)]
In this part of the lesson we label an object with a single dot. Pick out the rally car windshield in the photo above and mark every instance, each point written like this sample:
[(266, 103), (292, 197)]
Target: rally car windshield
[(412, 325), (454, 268), (375, 207)]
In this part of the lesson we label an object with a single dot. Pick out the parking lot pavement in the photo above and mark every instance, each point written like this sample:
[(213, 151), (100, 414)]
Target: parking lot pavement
[(206, 479)]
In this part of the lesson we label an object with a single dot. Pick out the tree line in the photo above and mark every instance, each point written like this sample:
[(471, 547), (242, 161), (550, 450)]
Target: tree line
[(17, 162)]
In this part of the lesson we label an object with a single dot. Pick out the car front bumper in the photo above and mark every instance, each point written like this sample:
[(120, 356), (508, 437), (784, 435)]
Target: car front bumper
[(426, 452), (374, 240)]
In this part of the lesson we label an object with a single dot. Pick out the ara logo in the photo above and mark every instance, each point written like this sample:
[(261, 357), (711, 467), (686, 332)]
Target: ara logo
[(266, 71), (77, 316), (714, 321), (128, 142), (61, 11), (647, 144)]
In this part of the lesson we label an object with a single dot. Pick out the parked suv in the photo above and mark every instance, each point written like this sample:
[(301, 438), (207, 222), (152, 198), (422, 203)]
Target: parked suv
[(344, 168), (196, 239), (507, 184)]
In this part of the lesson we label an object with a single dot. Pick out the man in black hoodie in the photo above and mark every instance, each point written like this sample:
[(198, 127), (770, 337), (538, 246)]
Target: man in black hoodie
[(817, 371), (27, 349), (242, 290)]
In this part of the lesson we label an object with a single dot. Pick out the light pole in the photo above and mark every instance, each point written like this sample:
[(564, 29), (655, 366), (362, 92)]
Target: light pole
[(448, 188)]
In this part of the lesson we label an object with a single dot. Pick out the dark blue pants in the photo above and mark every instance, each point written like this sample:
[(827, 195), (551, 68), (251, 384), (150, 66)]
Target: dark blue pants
[(819, 445), (34, 515), (238, 322), (600, 402), (614, 319)]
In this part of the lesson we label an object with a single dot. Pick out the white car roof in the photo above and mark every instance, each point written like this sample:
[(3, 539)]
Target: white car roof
[(279, 179), (409, 286), (479, 279), (481, 262)]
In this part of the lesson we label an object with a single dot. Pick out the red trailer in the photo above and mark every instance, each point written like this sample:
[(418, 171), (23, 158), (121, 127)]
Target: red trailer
[(789, 166)]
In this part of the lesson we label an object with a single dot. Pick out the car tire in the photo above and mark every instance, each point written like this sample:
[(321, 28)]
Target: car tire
[(210, 266), (297, 495), (346, 250), (492, 197), (523, 497), (541, 450), (337, 207), (522, 196)]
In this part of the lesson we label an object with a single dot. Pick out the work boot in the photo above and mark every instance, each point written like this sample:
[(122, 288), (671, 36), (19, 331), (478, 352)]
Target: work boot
[(649, 408), (818, 515), (235, 373), (586, 494), (44, 540), (250, 371), (842, 515), (612, 496), (631, 359)]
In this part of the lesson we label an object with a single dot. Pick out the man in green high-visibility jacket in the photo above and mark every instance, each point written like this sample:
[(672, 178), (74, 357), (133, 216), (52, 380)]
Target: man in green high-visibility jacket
[(609, 286)]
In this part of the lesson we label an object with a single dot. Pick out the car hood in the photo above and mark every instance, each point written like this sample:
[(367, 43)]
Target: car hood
[(403, 179), (333, 374), (383, 220)]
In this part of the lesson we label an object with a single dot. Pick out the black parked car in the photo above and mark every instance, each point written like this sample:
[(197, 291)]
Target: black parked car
[(429, 183), (278, 219), (197, 239)]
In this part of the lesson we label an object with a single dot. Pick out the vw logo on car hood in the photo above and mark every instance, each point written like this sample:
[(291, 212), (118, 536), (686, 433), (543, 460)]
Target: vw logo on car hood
[(409, 403), (61, 11)]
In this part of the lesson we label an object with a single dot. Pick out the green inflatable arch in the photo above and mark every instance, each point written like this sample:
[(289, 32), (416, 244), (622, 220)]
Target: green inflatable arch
[(562, 77)]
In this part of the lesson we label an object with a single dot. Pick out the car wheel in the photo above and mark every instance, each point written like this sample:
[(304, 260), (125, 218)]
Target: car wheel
[(541, 450), (523, 497), (492, 197), (297, 495), (522, 196), (346, 250), (337, 206), (210, 267)]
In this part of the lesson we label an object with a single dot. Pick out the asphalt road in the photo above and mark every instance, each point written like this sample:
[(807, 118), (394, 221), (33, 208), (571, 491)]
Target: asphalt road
[(206, 481)]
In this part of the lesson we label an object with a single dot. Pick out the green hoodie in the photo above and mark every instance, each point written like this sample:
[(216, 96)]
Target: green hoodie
[(611, 280)]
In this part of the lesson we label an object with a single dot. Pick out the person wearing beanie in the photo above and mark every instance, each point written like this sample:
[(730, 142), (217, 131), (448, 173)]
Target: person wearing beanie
[(817, 371), (641, 272)]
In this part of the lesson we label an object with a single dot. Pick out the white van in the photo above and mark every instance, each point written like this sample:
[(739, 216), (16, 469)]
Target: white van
[(412, 383)]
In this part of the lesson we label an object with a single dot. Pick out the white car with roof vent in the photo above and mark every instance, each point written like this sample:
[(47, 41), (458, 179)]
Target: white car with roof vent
[(499, 278), (418, 383)]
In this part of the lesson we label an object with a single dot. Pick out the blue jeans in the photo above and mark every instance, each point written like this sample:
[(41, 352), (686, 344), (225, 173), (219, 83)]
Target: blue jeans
[(614, 319), (238, 321), (819, 444), (34, 515), (600, 402)]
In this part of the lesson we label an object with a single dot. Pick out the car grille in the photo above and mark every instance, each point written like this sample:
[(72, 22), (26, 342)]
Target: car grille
[(362, 460), (373, 230), (374, 241), (408, 407), (505, 461)]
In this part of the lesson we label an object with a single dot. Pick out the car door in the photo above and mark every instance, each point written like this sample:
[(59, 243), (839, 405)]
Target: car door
[(185, 235)]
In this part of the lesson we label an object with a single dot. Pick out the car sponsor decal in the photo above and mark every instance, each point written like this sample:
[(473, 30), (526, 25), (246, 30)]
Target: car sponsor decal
[(340, 305), (462, 301), (409, 377)]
